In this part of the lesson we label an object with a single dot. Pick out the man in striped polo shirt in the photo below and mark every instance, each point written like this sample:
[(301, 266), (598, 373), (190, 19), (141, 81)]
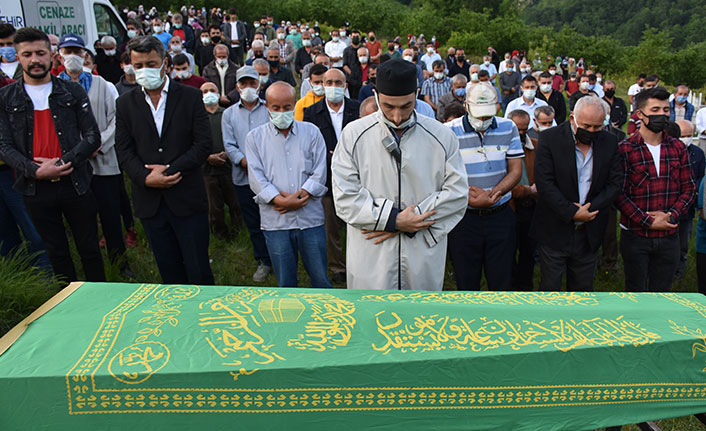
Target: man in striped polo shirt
[(484, 240)]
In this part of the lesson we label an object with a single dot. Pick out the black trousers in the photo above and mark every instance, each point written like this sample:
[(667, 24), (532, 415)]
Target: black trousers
[(106, 190), (125, 206), (649, 263), (180, 246), (523, 265), (577, 261), (236, 55), (701, 272), (483, 244), (54, 201)]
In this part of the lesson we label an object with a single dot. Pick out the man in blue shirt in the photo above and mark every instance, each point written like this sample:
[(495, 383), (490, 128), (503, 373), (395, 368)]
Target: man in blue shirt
[(287, 174), (159, 33), (484, 240)]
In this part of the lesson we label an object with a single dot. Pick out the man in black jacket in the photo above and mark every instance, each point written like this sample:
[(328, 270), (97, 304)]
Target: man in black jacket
[(163, 140), (553, 98), (578, 176), (237, 34), (331, 114), (47, 134)]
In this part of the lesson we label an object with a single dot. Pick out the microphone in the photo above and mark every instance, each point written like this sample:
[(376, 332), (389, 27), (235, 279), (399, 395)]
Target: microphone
[(392, 148)]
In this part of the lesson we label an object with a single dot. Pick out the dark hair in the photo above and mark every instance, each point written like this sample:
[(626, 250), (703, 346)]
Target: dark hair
[(437, 63), (384, 58), (551, 65), (529, 78), (642, 76), (232, 11), (317, 69), (652, 78), (125, 58), (545, 75), (6, 30), (372, 66), (92, 55), (659, 93), (518, 113), (180, 59), (29, 34), (213, 27), (592, 77), (454, 110), (483, 73), (582, 75), (170, 63), (134, 23), (430, 43), (673, 130), (147, 44)]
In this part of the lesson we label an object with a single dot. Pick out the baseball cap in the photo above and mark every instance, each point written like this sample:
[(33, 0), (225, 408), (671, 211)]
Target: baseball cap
[(481, 99), (71, 39), (247, 72)]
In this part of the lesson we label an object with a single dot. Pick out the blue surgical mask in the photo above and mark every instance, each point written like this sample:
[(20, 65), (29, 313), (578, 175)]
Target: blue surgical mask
[(8, 53), (460, 92), (510, 69), (591, 86), (681, 99), (606, 122), (282, 120), (334, 94)]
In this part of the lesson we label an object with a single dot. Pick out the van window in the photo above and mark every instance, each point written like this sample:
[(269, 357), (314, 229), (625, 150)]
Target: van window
[(108, 24)]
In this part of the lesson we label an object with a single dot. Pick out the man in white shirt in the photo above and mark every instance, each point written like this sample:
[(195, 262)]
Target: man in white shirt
[(528, 102), (700, 123), (8, 56), (429, 58), (490, 67), (334, 49), (634, 89)]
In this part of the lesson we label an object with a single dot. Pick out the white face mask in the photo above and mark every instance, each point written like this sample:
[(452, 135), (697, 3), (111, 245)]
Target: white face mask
[(318, 89), (281, 36), (176, 48), (543, 128), (474, 77), (529, 93), (408, 58), (157, 28), (210, 98), (545, 88), (438, 75), (599, 79), (552, 72), (87, 69), (249, 94), (381, 116), (487, 63), (335, 38), (72, 62), (363, 60), (306, 42), (430, 50), (150, 78), (686, 140), (129, 70), (479, 125), (222, 62), (585, 85), (282, 120), (182, 74), (205, 40), (110, 52), (334, 94), (264, 79)]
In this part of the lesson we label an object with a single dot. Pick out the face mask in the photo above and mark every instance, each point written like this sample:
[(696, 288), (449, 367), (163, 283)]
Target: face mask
[(249, 94), (343, 34), (606, 122), (110, 52), (510, 69), (157, 28), (658, 123), (487, 63), (585, 86), (599, 80), (273, 63), (87, 69), (270, 22), (681, 99), (460, 92), (182, 74), (150, 78), (73, 63), (545, 88), (543, 128), (391, 48), (210, 98), (407, 58), (686, 141), (264, 79), (257, 25), (216, 39), (529, 93), (335, 38), (523, 70), (205, 40), (363, 60), (222, 62), (282, 120), (609, 93), (438, 75), (293, 32), (129, 70), (591, 86), (334, 94), (372, 38), (176, 48), (177, 25), (480, 125), (306, 42), (460, 58), (474, 77), (552, 72), (318, 89), (355, 40), (572, 79), (584, 136), (381, 117), (372, 79), (430, 50)]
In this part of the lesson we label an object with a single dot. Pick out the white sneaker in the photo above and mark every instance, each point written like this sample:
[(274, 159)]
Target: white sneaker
[(262, 272)]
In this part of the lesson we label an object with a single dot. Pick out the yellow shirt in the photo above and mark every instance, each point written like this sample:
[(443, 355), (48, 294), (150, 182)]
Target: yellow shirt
[(304, 103)]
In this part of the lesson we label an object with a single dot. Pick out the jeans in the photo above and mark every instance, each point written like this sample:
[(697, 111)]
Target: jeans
[(180, 246), (649, 260), (54, 201), (13, 213), (284, 245), (251, 217), (483, 243), (106, 190)]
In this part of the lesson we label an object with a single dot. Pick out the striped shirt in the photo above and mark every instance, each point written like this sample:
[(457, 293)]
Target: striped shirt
[(436, 89), (485, 156)]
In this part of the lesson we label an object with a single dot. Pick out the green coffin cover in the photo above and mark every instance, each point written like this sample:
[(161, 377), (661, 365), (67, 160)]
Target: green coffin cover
[(157, 357)]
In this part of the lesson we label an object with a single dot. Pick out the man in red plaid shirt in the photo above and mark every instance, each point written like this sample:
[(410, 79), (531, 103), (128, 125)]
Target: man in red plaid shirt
[(658, 189)]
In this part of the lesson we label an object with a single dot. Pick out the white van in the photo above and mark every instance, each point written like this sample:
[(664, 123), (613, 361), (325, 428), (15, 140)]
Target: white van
[(90, 19)]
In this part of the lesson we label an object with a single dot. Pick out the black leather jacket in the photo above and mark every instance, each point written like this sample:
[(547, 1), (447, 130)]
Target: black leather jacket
[(76, 129)]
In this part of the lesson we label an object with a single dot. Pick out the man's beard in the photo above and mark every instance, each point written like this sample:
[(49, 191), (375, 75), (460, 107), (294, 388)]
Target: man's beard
[(37, 75)]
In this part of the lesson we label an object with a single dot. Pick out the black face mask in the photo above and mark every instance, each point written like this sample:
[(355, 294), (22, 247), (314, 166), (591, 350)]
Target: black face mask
[(460, 58), (658, 123), (355, 40), (586, 137), (609, 93), (273, 63), (372, 79), (372, 38), (216, 39), (259, 55), (391, 48)]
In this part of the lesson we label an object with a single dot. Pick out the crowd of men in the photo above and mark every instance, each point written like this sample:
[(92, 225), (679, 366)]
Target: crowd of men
[(404, 148)]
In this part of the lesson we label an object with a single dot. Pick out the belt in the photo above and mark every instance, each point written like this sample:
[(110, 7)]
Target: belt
[(486, 211)]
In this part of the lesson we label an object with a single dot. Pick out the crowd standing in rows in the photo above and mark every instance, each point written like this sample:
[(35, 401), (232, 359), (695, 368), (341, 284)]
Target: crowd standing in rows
[(404, 147)]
